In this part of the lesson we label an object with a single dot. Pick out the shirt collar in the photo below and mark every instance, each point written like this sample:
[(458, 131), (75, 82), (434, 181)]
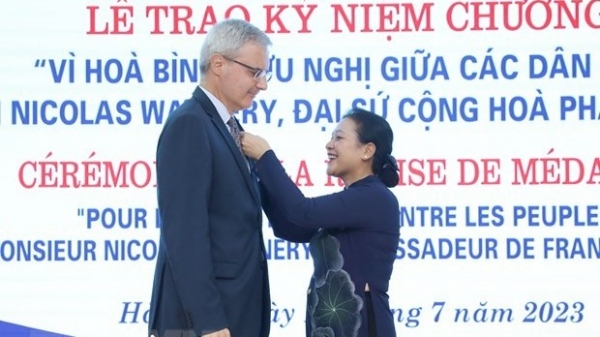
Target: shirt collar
[(221, 109)]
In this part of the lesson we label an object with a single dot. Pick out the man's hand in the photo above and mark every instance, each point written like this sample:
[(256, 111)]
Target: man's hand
[(220, 333)]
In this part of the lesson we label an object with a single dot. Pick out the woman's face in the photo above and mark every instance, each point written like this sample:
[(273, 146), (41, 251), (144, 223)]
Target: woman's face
[(347, 156)]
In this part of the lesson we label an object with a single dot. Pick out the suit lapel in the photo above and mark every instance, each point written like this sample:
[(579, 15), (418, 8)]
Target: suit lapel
[(220, 126)]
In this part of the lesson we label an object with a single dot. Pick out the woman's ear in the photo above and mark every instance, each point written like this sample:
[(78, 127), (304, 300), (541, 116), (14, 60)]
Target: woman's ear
[(369, 151)]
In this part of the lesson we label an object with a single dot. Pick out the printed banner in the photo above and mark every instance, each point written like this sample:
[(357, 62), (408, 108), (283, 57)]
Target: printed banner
[(496, 119)]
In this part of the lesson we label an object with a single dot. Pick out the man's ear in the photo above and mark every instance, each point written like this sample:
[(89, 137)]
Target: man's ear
[(217, 62)]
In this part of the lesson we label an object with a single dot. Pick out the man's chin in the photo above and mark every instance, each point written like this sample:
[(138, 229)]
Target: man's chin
[(247, 103)]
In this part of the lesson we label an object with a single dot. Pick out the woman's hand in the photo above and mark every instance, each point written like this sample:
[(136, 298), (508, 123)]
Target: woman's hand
[(254, 146)]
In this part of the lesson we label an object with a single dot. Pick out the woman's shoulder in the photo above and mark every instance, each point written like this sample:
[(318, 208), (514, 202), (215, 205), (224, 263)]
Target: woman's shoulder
[(374, 187)]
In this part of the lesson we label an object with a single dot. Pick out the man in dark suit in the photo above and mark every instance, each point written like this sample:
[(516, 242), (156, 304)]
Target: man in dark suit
[(211, 275)]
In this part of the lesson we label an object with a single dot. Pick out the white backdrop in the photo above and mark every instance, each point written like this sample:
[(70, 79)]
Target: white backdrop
[(496, 119)]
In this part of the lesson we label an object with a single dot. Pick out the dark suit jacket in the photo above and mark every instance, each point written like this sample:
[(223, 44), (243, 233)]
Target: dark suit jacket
[(211, 272)]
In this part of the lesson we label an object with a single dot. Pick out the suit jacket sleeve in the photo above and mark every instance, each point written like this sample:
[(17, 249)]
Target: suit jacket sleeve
[(184, 171), (282, 227), (342, 209)]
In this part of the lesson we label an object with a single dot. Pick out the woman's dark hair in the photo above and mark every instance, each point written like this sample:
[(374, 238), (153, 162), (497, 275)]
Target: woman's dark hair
[(372, 128)]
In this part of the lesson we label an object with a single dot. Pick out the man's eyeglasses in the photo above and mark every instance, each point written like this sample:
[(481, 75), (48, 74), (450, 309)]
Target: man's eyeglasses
[(258, 73)]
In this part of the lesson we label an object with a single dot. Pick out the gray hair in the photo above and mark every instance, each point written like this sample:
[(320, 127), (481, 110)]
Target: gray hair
[(227, 38)]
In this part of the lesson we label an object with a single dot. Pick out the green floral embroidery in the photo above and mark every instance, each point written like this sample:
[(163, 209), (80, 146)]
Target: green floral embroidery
[(325, 250), (333, 306)]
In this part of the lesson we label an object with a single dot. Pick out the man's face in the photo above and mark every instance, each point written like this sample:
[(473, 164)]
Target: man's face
[(239, 86)]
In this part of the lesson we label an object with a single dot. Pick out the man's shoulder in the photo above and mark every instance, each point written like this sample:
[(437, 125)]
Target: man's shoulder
[(190, 108)]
